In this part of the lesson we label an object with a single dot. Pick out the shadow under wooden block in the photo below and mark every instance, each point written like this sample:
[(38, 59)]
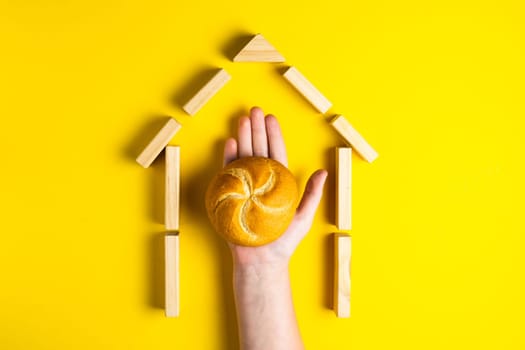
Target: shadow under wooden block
[(233, 46), (193, 185), (155, 270), (328, 271), (330, 190), (157, 189)]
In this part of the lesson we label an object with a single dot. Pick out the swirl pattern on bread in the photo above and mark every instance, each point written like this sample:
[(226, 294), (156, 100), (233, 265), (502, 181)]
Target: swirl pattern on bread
[(252, 201)]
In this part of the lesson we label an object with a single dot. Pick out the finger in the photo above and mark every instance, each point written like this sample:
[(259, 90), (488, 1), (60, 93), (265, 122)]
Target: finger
[(305, 212), (259, 138), (245, 138), (277, 149), (230, 151), (311, 196)]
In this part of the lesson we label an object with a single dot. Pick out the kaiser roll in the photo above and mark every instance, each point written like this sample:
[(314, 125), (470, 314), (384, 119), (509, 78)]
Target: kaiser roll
[(252, 201)]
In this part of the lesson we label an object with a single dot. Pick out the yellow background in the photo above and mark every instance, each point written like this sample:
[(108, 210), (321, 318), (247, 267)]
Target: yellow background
[(437, 87)]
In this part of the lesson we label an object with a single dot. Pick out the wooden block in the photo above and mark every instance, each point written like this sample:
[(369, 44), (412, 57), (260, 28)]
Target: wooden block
[(206, 92), (171, 243), (353, 138), (307, 90), (342, 283), (158, 143), (258, 50), (343, 196), (172, 195)]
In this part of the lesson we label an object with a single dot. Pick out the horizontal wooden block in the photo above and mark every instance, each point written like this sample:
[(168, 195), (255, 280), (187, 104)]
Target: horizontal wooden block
[(344, 188), (206, 92), (353, 138), (172, 194), (158, 143), (306, 89), (342, 281), (171, 243), (258, 50)]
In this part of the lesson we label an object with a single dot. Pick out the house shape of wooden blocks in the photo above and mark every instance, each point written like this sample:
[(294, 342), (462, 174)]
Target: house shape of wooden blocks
[(258, 49)]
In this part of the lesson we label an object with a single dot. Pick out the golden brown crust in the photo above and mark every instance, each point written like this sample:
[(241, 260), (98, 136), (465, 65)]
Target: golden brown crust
[(252, 201)]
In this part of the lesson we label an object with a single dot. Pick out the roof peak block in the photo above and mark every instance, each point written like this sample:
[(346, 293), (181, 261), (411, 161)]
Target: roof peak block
[(258, 50)]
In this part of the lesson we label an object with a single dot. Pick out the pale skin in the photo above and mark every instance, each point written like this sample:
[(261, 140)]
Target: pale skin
[(261, 282)]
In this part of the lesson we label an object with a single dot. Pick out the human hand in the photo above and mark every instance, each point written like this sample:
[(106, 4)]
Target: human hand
[(261, 136)]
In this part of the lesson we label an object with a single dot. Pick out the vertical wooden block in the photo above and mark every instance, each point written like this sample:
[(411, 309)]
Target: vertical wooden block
[(342, 281), (172, 195), (158, 143), (353, 138), (344, 188), (171, 243), (258, 50), (306, 89), (206, 92)]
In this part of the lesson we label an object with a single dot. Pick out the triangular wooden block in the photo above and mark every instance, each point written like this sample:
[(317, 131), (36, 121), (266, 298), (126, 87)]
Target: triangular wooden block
[(258, 50)]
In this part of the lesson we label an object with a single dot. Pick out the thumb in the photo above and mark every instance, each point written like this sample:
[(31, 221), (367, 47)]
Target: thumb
[(304, 214), (311, 196)]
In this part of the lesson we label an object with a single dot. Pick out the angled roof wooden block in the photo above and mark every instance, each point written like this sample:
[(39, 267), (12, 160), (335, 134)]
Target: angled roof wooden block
[(206, 92), (353, 138), (158, 143), (307, 89), (258, 50)]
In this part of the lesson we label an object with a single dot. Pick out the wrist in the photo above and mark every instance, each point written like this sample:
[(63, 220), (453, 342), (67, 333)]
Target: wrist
[(260, 273), (271, 256)]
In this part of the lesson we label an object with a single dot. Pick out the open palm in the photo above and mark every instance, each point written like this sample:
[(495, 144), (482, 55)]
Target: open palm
[(261, 136)]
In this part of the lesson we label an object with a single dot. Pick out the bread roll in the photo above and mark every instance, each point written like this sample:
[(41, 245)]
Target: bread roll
[(252, 201)]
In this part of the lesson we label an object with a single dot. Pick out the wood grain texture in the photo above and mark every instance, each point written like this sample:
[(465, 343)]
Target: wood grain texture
[(306, 89), (353, 138), (158, 143), (206, 92), (171, 243), (172, 188), (342, 280), (343, 188), (258, 50)]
